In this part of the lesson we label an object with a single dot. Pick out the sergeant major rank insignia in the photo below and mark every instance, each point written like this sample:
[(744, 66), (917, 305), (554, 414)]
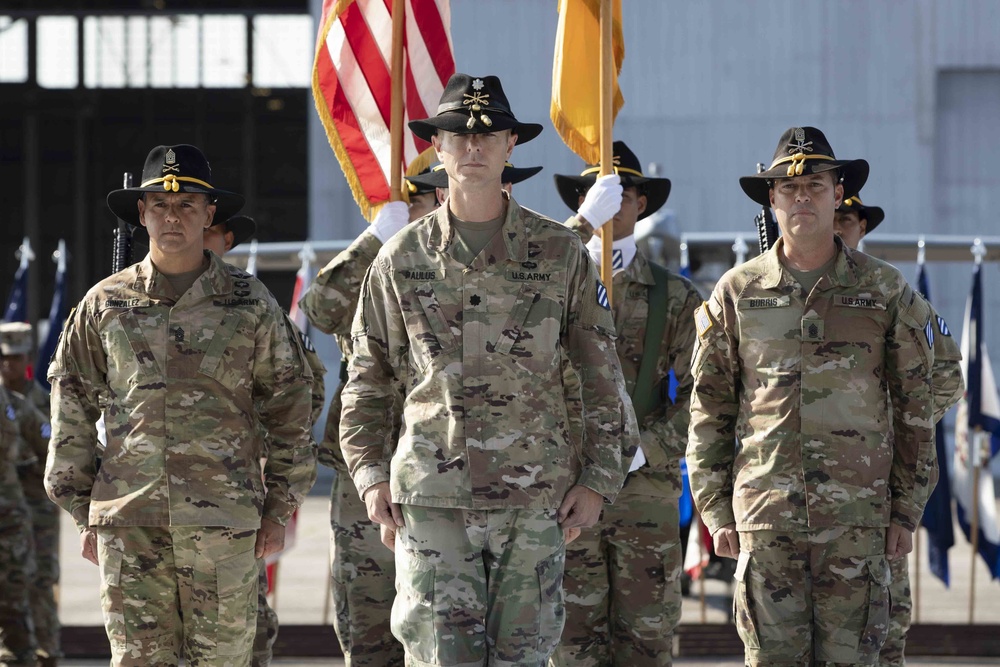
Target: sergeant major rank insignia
[(170, 161)]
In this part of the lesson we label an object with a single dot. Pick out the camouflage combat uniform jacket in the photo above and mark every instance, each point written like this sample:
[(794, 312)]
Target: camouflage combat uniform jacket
[(177, 378), (664, 432), (804, 381), (23, 435), (330, 304), (474, 352)]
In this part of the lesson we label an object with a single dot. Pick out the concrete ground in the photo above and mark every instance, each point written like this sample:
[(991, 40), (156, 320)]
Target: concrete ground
[(303, 589)]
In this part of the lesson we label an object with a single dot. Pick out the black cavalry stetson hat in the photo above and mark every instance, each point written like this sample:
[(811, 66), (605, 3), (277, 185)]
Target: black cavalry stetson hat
[(628, 169), (800, 151), (438, 177), (422, 183), (243, 228), (873, 214), (474, 105), (179, 168)]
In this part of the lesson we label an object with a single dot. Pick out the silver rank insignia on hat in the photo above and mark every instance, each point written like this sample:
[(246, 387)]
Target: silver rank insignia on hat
[(477, 84), (800, 145), (170, 161)]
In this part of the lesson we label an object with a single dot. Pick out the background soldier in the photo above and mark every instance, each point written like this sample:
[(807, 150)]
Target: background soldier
[(437, 178), (465, 321), (220, 238), (853, 222), (622, 589), (363, 572), (22, 433), (176, 352), (16, 343), (797, 349)]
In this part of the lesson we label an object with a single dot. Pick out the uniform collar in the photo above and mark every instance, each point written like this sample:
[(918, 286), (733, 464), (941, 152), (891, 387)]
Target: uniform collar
[(515, 235), (638, 270), (214, 281), (844, 274)]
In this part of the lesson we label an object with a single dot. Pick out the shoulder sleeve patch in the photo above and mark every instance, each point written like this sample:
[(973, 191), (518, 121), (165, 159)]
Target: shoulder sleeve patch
[(602, 296), (702, 320)]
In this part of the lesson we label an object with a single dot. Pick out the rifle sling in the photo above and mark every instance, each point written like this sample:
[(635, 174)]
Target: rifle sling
[(643, 394)]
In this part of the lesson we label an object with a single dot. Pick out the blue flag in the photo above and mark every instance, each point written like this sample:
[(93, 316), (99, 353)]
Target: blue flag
[(937, 518), (57, 316), (977, 434), (17, 303)]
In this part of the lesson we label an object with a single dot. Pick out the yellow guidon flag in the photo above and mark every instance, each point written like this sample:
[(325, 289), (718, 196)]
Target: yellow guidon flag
[(576, 106)]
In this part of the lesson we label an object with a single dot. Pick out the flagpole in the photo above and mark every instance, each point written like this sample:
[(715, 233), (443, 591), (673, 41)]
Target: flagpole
[(916, 580), (396, 113), (974, 445), (607, 74)]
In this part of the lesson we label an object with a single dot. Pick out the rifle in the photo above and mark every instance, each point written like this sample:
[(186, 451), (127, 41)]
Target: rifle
[(767, 228), (122, 253)]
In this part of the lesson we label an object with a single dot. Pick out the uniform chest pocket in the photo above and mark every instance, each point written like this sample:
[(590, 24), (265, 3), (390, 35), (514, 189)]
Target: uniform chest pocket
[(134, 359), (513, 328), (228, 358), (427, 326)]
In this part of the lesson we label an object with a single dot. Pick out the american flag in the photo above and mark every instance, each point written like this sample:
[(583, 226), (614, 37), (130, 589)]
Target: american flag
[(352, 85)]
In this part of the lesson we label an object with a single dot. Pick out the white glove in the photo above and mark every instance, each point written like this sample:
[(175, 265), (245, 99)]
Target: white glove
[(392, 217), (603, 201)]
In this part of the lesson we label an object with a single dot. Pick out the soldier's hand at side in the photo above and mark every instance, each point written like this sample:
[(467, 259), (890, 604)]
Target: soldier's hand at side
[(727, 541), (88, 545), (581, 508), (572, 534), (381, 509), (388, 535), (898, 542), (270, 538)]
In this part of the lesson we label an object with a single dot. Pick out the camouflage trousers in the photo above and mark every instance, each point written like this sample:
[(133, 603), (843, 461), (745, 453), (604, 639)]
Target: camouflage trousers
[(899, 619), (478, 587), (173, 591), (363, 578), (42, 591), (17, 566), (267, 624), (622, 587), (819, 597)]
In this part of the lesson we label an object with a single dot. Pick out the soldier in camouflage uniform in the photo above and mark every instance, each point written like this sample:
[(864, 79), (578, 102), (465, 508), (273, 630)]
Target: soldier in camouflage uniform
[(853, 222), (622, 583), (220, 238), (177, 352), (465, 322), (23, 433), (363, 571), (16, 342), (805, 354)]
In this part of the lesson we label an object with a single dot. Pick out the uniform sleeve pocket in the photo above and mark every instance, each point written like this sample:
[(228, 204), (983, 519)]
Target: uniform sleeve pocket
[(879, 605), (236, 578)]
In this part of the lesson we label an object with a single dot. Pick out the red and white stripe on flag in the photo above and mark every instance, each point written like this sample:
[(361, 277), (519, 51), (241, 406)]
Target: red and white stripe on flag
[(352, 86)]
